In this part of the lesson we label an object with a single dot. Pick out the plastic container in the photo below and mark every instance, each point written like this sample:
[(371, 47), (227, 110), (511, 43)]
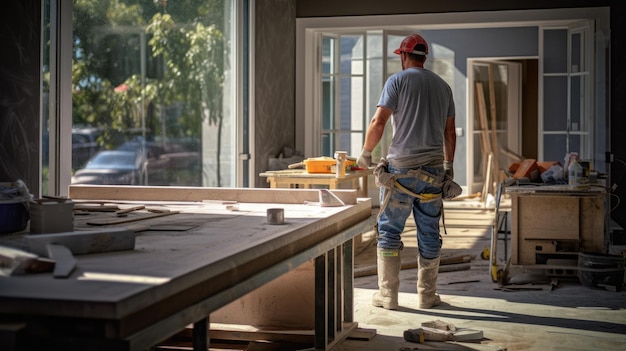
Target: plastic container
[(574, 173), (598, 270), (325, 164), (320, 165), (13, 214)]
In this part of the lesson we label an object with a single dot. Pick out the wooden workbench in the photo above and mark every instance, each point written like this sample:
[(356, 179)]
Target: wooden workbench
[(300, 178), (218, 248), (554, 223)]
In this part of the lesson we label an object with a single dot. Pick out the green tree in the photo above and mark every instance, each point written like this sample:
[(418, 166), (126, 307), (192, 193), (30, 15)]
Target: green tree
[(184, 67)]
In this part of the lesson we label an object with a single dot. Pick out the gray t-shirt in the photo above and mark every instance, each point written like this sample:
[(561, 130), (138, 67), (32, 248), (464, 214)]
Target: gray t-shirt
[(421, 102)]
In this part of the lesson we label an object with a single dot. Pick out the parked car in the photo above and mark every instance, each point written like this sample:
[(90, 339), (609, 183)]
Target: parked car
[(168, 163), (113, 167), (84, 145)]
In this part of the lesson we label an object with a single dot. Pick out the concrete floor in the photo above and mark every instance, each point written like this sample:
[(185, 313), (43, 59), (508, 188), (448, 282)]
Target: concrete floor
[(567, 317)]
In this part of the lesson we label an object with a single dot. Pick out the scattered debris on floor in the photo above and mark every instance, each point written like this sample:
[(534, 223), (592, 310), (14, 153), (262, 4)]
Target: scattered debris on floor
[(545, 286), (441, 331), (451, 346)]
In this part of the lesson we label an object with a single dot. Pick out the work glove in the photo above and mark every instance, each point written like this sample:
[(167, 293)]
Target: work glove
[(450, 189), (448, 167), (365, 159)]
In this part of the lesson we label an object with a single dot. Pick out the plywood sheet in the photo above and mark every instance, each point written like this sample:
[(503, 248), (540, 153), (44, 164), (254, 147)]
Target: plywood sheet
[(570, 221), (554, 217)]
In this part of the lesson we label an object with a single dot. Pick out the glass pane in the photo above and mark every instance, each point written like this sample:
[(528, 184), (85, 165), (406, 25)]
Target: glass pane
[(554, 147), (327, 55), (575, 145), (576, 103), (576, 53), (351, 60), (555, 51), (555, 104), (342, 141), (501, 88), (328, 98), (45, 94), (327, 144), (393, 61), (150, 77), (351, 104), (374, 73)]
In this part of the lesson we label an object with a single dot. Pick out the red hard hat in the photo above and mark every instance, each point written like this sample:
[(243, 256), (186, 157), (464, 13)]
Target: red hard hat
[(409, 43)]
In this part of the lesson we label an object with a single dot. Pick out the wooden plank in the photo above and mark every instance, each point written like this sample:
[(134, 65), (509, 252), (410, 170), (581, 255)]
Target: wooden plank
[(486, 143), (364, 334), (482, 120), (592, 224), (555, 217), (113, 221), (487, 188), (196, 194), (494, 135)]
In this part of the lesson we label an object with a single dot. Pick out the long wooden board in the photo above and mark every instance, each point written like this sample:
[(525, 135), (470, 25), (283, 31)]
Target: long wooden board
[(171, 193)]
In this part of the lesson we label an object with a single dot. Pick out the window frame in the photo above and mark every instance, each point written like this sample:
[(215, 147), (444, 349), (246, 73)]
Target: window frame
[(58, 120)]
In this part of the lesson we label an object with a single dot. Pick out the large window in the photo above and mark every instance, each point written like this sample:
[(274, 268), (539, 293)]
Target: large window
[(568, 118), (343, 93), (154, 79)]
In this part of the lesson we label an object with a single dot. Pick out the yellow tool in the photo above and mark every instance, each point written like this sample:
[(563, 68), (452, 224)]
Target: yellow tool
[(485, 253)]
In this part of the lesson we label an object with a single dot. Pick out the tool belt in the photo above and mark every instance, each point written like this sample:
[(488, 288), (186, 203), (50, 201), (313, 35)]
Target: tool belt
[(385, 179)]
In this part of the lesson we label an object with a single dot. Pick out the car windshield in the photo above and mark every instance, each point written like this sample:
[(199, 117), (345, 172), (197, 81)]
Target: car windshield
[(113, 160)]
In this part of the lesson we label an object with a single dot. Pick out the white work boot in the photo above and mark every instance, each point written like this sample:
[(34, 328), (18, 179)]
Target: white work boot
[(388, 279), (427, 271)]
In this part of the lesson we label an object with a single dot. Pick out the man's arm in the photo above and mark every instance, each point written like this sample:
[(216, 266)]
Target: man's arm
[(373, 134), (449, 146), (376, 128), (449, 140)]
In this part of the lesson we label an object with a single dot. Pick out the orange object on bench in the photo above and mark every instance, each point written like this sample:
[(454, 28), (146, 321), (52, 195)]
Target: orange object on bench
[(527, 169)]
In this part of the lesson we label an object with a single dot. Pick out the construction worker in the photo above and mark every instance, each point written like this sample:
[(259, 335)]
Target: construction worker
[(415, 170)]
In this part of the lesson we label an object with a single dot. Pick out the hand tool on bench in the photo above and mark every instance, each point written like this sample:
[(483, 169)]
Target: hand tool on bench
[(65, 261)]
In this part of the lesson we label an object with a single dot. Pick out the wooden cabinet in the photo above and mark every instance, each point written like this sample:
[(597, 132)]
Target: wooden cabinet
[(555, 222)]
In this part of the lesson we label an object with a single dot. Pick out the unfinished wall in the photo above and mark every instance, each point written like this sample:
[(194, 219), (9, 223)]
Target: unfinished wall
[(274, 81), (19, 92)]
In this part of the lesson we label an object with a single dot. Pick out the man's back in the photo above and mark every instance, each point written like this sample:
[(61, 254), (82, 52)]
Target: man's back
[(421, 102)]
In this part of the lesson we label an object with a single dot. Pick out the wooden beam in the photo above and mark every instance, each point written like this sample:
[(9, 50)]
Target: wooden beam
[(494, 129), (120, 193)]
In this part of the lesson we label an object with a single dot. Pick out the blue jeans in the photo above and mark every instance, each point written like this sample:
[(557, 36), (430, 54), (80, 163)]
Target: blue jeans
[(426, 214)]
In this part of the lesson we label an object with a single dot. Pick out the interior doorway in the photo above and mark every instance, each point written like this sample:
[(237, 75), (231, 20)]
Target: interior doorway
[(502, 117)]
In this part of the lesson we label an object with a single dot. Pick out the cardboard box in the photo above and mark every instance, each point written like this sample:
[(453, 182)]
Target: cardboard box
[(51, 216)]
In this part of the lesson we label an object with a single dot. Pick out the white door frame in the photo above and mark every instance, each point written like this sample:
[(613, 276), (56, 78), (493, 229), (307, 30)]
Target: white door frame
[(514, 112), (307, 28)]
